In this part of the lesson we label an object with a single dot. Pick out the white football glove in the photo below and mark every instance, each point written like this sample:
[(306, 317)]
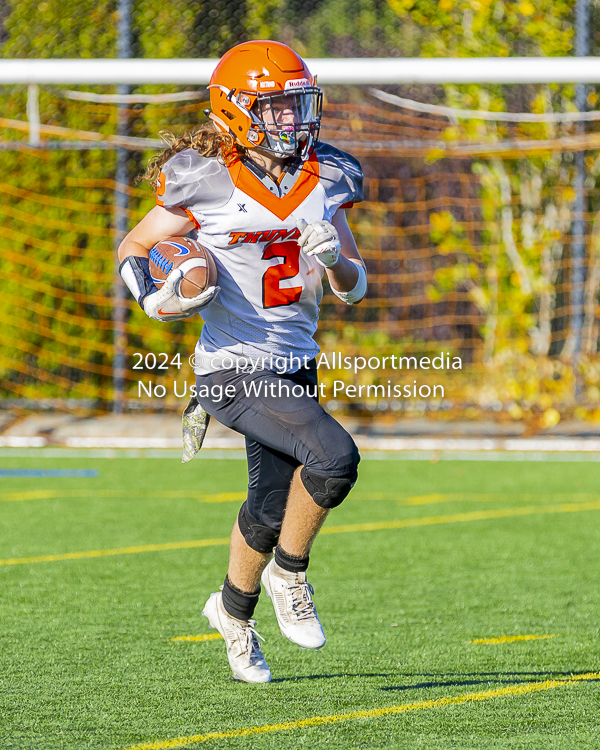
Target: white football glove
[(166, 304), (320, 239)]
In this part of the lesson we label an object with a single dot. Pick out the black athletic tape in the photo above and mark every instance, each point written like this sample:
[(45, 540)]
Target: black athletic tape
[(327, 492), (258, 537), (291, 563), (239, 603)]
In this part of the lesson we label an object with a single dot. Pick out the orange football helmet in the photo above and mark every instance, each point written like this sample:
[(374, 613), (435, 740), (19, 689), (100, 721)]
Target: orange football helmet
[(264, 95)]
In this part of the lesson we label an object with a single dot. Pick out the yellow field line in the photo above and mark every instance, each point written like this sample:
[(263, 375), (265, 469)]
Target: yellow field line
[(29, 495), (315, 721), (233, 497), (435, 497), (219, 497), (223, 497), (406, 523), (208, 637), (478, 497), (481, 515), (510, 639), (117, 551)]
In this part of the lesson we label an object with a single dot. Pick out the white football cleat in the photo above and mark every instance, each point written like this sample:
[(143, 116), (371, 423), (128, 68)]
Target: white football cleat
[(243, 648), (294, 607)]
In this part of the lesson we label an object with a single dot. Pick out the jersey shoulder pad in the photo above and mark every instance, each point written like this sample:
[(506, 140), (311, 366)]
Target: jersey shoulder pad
[(341, 174), (189, 180)]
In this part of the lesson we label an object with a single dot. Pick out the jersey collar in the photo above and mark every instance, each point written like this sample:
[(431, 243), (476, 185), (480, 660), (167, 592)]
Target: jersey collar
[(284, 184), (297, 181)]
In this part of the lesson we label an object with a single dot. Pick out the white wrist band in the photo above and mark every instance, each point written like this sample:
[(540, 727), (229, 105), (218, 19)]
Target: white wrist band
[(360, 288), (135, 272)]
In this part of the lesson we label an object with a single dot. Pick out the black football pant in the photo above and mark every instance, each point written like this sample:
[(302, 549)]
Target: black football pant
[(282, 432)]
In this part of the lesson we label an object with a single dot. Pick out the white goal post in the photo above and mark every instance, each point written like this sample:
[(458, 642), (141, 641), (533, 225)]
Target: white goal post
[(357, 71)]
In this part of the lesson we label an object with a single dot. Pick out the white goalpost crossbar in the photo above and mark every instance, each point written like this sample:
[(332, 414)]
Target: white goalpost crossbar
[(356, 71)]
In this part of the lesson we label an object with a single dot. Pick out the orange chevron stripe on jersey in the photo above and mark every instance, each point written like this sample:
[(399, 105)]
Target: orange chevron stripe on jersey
[(282, 207)]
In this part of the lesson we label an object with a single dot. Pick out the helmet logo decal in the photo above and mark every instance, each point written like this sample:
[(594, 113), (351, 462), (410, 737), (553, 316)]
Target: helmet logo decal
[(297, 83), (267, 84)]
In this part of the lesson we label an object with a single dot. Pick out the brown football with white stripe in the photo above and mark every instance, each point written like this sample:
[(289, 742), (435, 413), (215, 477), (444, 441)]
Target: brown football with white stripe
[(196, 262)]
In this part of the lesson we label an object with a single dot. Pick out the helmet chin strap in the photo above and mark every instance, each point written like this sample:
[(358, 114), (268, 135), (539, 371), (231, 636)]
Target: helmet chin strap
[(270, 154)]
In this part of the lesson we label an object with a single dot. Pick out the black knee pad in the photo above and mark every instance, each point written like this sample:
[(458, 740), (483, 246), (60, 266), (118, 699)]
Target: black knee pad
[(327, 492), (259, 538)]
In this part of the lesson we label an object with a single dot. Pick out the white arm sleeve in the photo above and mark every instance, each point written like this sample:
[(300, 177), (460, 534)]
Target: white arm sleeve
[(360, 288)]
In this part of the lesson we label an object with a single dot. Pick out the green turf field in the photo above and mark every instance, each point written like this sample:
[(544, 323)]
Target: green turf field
[(421, 561)]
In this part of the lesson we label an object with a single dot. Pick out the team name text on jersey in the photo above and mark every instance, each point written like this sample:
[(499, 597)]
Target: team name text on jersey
[(265, 235)]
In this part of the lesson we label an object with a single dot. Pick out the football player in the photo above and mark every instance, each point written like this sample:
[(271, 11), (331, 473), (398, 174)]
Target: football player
[(268, 199)]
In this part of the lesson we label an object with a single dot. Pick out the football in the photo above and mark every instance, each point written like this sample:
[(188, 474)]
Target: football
[(196, 262)]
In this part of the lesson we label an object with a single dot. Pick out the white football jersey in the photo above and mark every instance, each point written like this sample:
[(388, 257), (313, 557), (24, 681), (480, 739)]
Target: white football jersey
[(270, 291)]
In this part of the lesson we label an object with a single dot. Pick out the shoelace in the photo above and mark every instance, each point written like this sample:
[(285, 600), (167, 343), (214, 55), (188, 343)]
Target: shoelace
[(256, 654), (249, 642), (302, 605)]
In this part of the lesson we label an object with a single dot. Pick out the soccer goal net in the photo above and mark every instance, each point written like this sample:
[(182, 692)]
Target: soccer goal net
[(479, 230)]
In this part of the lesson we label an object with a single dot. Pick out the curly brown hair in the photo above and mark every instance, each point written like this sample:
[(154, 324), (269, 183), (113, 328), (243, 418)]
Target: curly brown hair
[(206, 140)]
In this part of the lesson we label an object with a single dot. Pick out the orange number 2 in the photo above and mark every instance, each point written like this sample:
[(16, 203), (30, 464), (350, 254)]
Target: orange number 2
[(273, 295)]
